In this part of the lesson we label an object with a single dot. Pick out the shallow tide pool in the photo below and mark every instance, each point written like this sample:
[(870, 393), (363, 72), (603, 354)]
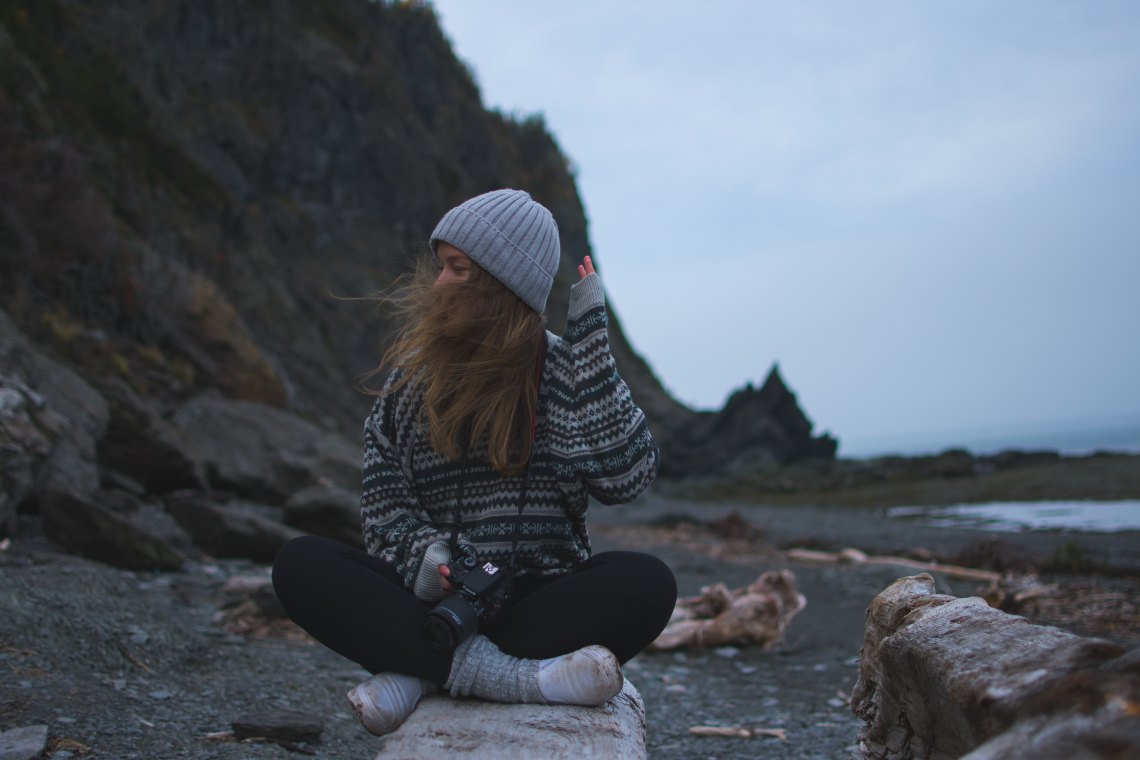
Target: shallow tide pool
[(1015, 516)]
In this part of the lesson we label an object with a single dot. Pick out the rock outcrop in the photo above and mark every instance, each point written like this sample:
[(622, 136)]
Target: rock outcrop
[(196, 198)]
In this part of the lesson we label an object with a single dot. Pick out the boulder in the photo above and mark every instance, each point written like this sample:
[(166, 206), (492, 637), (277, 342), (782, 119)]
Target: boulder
[(233, 529), (478, 730), (28, 431), (325, 510), (264, 453), (79, 414), (86, 527), (142, 445)]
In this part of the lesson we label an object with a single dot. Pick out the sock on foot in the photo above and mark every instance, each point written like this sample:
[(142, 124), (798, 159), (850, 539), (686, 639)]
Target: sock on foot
[(481, 669), (385, 700), (590, 676)]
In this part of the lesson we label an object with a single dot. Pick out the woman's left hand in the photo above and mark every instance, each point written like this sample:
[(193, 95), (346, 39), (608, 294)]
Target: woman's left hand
[(445, 579), (586, 268)]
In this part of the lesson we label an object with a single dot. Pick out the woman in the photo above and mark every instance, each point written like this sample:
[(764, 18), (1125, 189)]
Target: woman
[(484, 446)]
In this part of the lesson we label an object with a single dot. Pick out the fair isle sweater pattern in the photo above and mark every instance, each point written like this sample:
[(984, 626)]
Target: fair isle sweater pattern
[(591, 440)]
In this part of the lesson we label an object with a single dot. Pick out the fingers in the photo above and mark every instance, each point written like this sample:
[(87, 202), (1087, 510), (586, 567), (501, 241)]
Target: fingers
[(586, 268), (445, 578)]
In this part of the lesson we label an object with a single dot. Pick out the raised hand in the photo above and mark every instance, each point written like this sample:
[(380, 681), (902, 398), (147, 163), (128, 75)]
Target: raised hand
[(586, 268)]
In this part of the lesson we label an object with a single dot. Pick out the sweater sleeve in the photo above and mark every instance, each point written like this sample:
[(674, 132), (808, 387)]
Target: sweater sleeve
[(396, 526), (613, 450)]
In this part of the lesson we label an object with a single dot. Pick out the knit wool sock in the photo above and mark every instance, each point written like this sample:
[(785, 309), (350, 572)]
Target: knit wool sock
[(479, 668)]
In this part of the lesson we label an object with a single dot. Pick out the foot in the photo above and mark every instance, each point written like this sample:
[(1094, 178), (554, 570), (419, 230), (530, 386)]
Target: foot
[(385, 700), (591, 676)]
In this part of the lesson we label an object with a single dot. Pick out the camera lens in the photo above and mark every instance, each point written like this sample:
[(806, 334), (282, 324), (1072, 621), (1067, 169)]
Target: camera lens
[(449, 623)]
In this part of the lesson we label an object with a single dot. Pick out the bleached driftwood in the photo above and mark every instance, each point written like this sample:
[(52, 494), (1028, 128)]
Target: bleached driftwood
[(943, 677), (755, 614), (738, 732), (477, 730), (856, 557)]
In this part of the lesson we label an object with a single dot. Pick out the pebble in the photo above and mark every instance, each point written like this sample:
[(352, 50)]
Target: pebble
[(24, 743)]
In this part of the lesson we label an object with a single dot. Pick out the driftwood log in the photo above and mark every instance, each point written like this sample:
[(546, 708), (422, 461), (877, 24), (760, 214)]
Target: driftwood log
[(943, 677), (754, 614), (473, 729), (856, 557)]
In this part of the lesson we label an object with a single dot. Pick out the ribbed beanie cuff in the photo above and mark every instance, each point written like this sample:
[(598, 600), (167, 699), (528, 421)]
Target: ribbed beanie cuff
[(511, 236)]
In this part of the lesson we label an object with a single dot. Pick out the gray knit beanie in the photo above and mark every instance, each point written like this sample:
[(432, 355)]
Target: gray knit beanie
[(511, 236)]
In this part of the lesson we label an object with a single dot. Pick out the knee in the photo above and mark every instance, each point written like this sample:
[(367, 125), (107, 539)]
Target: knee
[(294, 561), (661, 584), (650, 583)]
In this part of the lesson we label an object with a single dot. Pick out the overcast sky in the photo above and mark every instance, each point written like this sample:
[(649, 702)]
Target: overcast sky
[(928, 213)]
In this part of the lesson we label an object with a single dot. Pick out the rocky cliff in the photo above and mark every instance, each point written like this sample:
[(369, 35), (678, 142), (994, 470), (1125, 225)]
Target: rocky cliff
[(196, 196)]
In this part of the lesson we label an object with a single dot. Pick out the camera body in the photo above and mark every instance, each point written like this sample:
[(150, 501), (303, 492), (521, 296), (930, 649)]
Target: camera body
[(479, 597)]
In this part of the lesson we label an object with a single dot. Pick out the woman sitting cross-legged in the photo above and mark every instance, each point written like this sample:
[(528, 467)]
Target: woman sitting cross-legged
[(481, 453)]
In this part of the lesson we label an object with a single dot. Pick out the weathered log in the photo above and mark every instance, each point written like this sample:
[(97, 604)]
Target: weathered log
[(477, 730), (941, 677), (279, 726)]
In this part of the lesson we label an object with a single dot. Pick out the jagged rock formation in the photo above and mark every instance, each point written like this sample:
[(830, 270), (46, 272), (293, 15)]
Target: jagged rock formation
[(195, 197)]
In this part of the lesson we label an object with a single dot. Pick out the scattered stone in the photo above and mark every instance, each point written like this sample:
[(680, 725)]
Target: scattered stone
[(24, 743)]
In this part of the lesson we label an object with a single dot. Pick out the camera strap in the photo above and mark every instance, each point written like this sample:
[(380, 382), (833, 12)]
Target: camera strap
[(458, 520), (539, 361)]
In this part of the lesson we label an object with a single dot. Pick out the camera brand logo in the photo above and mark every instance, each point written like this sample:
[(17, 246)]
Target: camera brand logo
[(490, 569)]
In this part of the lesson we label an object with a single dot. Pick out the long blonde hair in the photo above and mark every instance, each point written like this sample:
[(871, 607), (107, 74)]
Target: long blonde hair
[(473, 349)]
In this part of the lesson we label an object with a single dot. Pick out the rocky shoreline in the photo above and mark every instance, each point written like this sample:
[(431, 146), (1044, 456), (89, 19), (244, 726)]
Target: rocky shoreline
[(125, 663)]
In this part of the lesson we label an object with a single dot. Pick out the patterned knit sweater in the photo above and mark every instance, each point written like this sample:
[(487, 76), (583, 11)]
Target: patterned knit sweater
[(590, 440)]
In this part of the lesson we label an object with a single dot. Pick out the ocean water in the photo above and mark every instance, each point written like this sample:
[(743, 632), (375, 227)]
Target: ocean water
[(1122, 436), (1012, 517)]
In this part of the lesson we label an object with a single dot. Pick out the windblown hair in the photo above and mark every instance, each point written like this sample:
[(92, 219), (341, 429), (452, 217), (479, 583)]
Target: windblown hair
[(472, 348)]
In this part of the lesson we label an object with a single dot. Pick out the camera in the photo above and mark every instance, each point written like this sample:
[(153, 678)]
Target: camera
[(480, 596)]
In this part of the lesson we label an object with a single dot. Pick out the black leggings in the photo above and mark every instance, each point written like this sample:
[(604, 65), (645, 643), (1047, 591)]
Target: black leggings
[(356, 605)]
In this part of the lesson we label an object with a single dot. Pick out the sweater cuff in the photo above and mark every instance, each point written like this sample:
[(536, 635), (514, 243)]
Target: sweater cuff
[(586, 294), (428, 587)]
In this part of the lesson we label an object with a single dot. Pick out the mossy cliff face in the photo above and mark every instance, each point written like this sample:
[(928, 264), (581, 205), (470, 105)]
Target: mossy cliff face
[(194, 193)]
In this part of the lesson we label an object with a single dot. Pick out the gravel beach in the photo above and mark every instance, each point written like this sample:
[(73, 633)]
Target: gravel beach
[(135, 665)]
